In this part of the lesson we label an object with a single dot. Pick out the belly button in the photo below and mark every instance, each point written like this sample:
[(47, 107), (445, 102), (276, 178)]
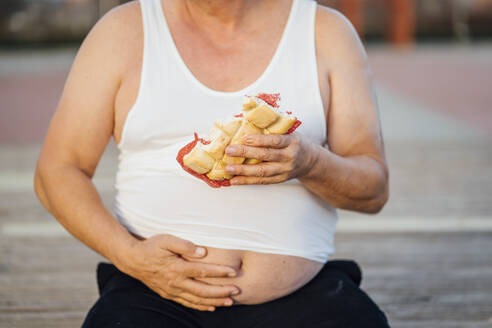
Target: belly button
[(240, 269)]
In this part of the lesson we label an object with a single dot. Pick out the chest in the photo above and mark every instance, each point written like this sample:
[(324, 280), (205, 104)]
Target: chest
[(225, 66), (227, 63)]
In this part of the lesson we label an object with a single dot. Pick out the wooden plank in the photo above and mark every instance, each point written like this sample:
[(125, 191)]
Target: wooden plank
[(431, 280)]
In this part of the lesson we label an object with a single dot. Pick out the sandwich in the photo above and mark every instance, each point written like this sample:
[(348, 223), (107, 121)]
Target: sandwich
[(206, 158)]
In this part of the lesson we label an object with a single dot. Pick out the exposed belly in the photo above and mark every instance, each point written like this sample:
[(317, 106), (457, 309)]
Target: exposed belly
[(284, 216), (261, 276)]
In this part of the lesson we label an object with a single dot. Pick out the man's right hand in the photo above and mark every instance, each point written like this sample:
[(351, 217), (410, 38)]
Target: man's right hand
[(157, 262)]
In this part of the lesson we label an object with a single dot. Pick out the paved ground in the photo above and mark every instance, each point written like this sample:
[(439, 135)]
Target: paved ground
[(427, 257)]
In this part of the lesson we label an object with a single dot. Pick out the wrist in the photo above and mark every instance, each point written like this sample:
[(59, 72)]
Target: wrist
[(123, 255), (312, 161)]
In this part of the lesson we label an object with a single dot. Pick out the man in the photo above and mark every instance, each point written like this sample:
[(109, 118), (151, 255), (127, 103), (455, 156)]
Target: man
[(150, 73)]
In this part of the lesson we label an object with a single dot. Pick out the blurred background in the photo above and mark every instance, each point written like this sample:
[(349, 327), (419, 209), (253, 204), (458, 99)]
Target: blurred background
[(427, 257)]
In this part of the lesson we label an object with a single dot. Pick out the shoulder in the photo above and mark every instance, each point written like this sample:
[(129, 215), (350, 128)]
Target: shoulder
[(332, 18), (125, 16), (117, 34), (337, 41)]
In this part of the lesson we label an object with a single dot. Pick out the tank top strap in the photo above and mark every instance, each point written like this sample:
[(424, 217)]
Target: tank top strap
[(150, 18), (300, 39), (303, 17), (155, 35), (298, 65)]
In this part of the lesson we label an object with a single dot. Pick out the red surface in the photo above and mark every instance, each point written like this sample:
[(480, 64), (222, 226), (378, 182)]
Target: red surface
[(453, 82), (294, 126), (27, 104), (270, 98), (456, 83), (185, 150)]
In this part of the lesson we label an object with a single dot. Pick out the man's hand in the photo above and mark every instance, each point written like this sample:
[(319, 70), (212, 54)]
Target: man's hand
[(284, 157), (157, 262)]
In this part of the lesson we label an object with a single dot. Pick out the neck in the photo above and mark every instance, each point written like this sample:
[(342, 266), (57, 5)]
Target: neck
[(222, 15)]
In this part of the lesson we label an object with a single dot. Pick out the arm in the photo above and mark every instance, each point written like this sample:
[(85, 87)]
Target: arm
[(78, 134), (351, 174)]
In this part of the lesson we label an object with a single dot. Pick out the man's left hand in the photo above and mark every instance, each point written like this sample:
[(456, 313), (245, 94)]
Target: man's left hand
[(284, 157)]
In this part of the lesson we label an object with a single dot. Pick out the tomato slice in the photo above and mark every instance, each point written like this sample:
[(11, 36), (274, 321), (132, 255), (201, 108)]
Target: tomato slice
[(270, 98)]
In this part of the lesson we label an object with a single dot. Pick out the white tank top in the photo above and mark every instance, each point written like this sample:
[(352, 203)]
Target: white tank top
[(156, 196)]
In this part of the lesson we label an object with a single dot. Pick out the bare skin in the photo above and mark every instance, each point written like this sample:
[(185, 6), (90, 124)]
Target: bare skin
[(213, 40)]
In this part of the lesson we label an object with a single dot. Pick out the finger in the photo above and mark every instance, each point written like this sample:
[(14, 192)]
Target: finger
[(261, 153), (198, 269), (181, 246), (268, 140), (206, 301), (203, 289), (241, 180), (257, 170), (193, 306)]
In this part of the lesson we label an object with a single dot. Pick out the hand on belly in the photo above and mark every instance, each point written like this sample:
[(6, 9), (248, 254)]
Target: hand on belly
[(261, 276)]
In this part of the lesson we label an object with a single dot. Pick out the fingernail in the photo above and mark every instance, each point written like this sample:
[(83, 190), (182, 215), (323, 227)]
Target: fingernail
[(232, 274), (199, 251), (248, 140), (235, 292), (228, 302), (230, 150), (211, 308), (229, 169)]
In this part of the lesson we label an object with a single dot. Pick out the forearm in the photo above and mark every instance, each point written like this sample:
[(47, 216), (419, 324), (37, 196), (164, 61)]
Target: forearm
[(71, 197), (358, 183)]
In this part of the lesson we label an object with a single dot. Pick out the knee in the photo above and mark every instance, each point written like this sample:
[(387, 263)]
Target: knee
[(362, 311), (128, 309), (102, 314), (367, 318), (350, 305), (116, 309)]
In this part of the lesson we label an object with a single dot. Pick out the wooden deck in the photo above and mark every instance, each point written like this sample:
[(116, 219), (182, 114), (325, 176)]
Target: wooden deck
[(426, 258), (419, 280)]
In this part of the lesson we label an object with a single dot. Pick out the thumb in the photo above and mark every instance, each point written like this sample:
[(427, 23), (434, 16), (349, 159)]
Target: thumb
[(182, 246)]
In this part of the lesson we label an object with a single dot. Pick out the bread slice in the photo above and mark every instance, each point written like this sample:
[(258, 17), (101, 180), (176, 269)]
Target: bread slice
[(199, 160), (218, 172), (262, 115), (252, 161), (229, 125), (245, 129), (281, 126), (219, 141), (250, 103)]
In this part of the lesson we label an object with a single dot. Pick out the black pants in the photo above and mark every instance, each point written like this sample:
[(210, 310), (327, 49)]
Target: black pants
[(331, 299)]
